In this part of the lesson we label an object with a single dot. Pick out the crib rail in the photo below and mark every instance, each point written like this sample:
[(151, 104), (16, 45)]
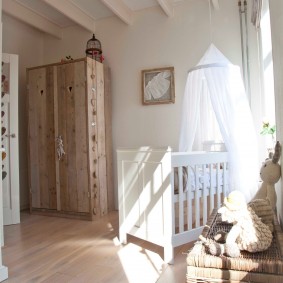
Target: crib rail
[(165, 197), (197, 193)]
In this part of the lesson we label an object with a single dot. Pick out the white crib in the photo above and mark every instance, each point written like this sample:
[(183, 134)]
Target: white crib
[(166, 197)]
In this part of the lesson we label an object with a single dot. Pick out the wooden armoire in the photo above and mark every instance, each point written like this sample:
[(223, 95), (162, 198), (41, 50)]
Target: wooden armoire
[(69, 139)]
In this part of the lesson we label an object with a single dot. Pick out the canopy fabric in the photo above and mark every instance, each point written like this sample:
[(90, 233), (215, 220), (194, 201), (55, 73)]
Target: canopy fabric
[(215, 100)]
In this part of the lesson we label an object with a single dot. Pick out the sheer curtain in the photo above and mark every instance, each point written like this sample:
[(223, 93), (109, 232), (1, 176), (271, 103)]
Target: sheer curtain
[(256, 12), (215, 92)]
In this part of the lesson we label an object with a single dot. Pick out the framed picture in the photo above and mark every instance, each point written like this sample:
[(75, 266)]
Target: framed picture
[(158, 86)]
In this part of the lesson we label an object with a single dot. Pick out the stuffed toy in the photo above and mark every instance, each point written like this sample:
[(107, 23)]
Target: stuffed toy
[(270, 174), (264, 211), (248, 232)]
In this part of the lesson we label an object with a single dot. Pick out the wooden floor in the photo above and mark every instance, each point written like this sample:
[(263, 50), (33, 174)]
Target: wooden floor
[(58, 250)]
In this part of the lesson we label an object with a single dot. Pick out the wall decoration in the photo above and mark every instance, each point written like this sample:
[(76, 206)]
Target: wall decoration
[(5, 88), (158, 86), (10, 142), (4, 79)]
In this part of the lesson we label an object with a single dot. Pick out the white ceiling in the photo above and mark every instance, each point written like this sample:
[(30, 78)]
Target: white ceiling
[(51, 16)]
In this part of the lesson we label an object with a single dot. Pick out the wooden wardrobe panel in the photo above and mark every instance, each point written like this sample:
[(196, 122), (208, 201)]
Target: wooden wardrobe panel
[(108, 137), (41, 138), (42, 142), (69, 162), (71, 139), (102, 183), (49, 143), (62, 119), (82, 152), (91, 78), (33, 135), (73, 168)]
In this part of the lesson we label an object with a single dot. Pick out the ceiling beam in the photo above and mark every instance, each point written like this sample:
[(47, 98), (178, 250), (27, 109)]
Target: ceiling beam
[(27, 16), (120, 9), (73, 12), (167, 7), (215, 4)]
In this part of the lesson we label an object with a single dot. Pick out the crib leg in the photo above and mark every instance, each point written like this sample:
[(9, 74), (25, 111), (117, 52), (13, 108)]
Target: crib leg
[(169, 254), (122, 237)]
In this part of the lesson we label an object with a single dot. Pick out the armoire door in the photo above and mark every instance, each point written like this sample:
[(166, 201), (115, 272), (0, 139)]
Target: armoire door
[(72, 138), (42, 137), (10, 139)]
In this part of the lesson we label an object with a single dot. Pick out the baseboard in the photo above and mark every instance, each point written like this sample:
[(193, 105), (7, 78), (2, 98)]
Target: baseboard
[(24, 207)]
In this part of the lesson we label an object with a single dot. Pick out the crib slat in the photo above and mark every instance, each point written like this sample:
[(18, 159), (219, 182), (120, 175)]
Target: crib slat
[(204, 198), (211, 195), (224, 179), (189, 199), (218, 172), (197, 206), (181, 200)]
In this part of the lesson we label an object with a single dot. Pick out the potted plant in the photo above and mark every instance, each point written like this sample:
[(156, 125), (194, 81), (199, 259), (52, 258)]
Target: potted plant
[(267, 129)]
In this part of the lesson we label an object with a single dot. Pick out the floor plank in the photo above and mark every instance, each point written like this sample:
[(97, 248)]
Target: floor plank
[(44, 249)]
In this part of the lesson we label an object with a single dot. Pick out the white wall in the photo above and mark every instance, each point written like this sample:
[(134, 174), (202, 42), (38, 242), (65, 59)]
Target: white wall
[(155, 40), (152, 41), (73, 43)]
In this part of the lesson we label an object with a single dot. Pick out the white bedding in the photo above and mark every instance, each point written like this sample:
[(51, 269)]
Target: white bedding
[(198, 178)]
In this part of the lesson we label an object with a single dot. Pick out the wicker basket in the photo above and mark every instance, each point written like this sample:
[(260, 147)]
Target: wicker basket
[(261, 267)]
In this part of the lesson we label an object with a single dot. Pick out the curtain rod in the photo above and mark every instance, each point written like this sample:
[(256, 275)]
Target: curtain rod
[(213, 65)]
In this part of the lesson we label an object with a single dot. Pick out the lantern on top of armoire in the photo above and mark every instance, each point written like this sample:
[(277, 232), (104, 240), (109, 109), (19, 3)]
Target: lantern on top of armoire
[(93, 49)]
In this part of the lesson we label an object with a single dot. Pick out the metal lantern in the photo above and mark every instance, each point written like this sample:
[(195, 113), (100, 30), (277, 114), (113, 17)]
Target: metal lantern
[(93, 49)]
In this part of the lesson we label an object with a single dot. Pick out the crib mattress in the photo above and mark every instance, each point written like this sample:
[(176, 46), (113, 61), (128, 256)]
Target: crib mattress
[(258, 267)]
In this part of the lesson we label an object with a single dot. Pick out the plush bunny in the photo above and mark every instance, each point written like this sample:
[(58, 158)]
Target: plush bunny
[(270, 174), (248, 232)]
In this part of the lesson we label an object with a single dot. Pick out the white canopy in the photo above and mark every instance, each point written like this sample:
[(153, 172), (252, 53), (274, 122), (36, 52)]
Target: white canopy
[(215, 92)]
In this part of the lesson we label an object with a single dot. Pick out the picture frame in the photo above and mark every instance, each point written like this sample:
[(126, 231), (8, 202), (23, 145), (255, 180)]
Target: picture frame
[(158, 86)]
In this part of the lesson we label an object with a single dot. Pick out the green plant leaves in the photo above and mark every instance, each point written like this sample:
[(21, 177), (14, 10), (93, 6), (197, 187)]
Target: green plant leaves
[(267, 130)]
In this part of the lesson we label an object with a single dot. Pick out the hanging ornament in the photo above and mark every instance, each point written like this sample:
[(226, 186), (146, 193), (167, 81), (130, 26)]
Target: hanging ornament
[(60, 147), (93, 49), (4, 174)]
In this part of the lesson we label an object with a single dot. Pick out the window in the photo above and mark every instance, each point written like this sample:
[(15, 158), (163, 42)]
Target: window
[(268, 108)]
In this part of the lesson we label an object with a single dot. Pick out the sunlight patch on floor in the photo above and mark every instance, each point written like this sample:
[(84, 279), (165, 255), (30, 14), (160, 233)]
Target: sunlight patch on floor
[(116, 242), (140, 265)]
